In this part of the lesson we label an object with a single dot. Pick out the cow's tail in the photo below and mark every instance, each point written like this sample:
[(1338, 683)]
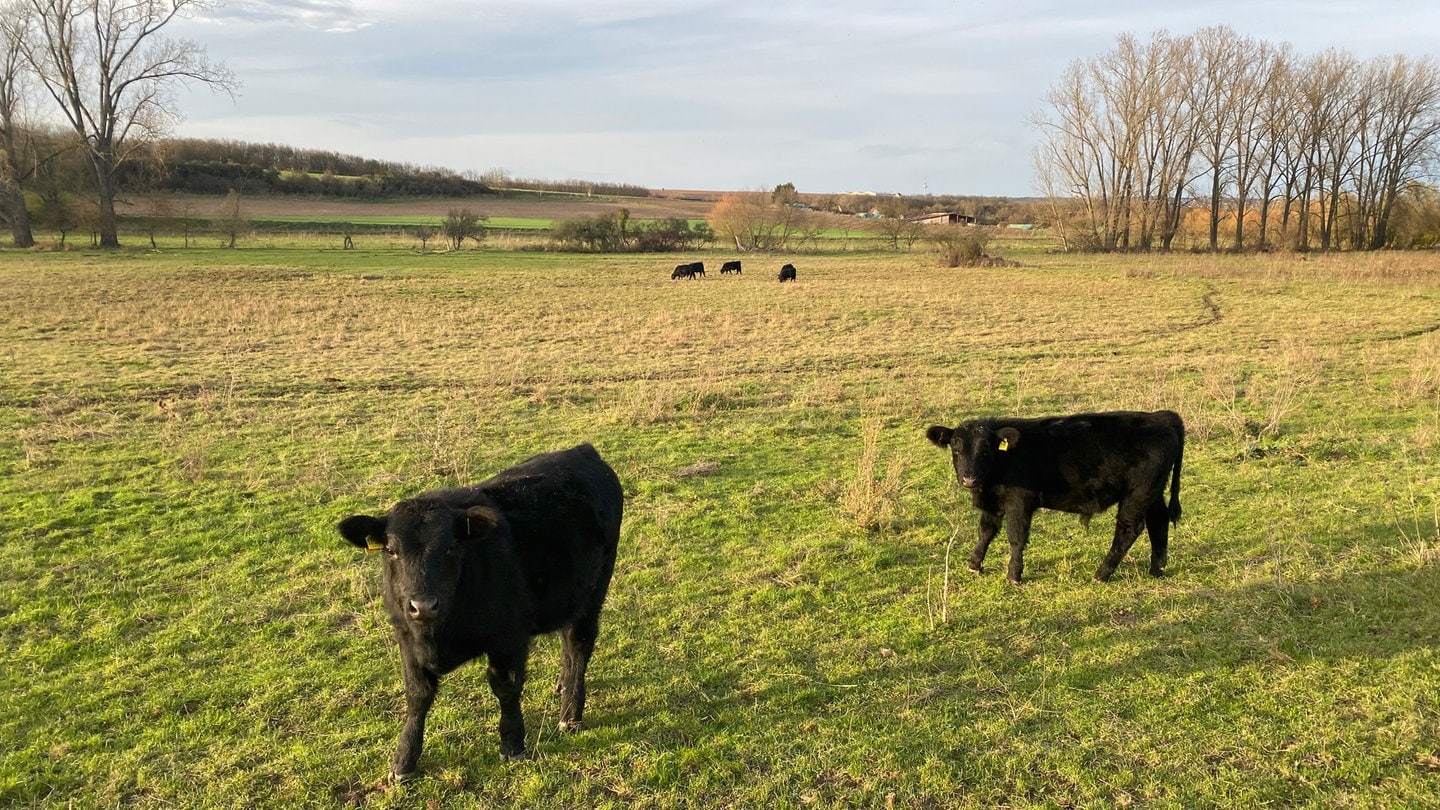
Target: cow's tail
[(1175, 474)]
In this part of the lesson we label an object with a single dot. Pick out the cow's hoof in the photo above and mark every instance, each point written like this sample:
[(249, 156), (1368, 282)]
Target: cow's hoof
[(402, 778), (569, 726), (1010, 581), (976, 570), (1103, 576), (515, 756)]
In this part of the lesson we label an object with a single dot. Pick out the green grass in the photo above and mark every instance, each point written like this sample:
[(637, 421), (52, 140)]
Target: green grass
[(183, 627)]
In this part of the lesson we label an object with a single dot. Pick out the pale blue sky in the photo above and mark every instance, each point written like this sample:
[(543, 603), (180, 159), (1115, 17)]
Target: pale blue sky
[(926, 95)]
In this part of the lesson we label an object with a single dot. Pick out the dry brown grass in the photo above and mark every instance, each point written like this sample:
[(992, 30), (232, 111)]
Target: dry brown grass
[(186, 427)]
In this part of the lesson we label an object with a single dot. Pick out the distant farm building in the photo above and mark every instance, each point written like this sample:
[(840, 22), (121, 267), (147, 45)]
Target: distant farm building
[(944, 218)]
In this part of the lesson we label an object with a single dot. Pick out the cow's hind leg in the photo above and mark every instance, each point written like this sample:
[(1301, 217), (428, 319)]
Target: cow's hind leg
[(577, 645), (1129, 520), (1157, 524)]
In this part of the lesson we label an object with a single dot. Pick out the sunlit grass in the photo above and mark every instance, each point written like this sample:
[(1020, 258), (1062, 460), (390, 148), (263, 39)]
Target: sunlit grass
[(182, 428)]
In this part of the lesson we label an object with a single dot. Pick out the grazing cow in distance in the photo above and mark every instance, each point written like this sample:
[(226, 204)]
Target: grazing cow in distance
[(691, 270), (1082, 464), (732, 266), (480, 570), (787, 273)]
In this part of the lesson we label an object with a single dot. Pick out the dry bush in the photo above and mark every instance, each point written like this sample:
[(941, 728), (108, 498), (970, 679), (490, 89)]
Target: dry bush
[(1421, 379), (872, 496)]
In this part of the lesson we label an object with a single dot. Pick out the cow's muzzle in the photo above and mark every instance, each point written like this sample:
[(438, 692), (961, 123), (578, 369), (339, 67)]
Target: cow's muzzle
[(422, 610), (967, 481)]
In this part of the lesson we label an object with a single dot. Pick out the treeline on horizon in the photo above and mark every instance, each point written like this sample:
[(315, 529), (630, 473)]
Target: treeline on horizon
[(1271, 147), (209, 166)]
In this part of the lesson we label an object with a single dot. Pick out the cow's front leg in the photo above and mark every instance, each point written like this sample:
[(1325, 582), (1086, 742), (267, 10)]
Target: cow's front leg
[(420, 687), (989, 526), (1018, 531), (506, 674)]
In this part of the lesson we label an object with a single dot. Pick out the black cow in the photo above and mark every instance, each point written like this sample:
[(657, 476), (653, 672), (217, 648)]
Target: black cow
[(787, 273), (1082, 464), (691, 270), (479, 570), (732, 266)]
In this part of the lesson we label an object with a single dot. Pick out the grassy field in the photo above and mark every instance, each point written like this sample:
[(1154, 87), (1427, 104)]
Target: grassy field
[(790, 623)]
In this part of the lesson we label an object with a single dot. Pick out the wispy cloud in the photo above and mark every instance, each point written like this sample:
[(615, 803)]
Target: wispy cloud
[(337, 16)]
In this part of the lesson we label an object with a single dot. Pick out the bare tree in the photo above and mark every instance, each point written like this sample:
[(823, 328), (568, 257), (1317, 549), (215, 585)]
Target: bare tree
[(1275, 140), (425, 232), (1093, 145), (230, 219), (162, 210), (1220, 95), (112, 72), (1168, 138), (1262, 67), (14, 136), (741, 218), (790, 217), (894, 227), (461, 224), (57, 211)]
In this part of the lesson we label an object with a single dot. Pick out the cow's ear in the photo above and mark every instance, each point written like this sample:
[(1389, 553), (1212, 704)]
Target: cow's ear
[(1009, 437), (940, 435), (363, 531), (476, 522)]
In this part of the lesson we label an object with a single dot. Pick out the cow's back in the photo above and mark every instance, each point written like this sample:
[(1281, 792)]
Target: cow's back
[(1087, 462), (563, 510)]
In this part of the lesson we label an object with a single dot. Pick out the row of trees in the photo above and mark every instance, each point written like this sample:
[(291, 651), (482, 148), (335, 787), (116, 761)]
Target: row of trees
[(1320, 151), (501, 181), (282, 157), (210, 166)]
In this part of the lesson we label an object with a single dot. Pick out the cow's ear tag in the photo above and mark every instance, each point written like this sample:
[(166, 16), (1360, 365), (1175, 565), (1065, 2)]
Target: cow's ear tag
[(372, 544), (1004, 445)]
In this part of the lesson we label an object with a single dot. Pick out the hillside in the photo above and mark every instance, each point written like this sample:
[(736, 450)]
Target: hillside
[(530, 205)]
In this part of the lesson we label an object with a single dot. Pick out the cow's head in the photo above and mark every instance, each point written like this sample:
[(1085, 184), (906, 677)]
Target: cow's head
[(424, 545), (975, 449)]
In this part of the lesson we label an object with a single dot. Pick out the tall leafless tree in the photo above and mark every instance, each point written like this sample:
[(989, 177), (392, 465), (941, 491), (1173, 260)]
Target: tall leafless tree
[(1400, 140), (113, 72), (1170, 136), (1073, 158), (14, 135), (1260, 69), (1274, 138)]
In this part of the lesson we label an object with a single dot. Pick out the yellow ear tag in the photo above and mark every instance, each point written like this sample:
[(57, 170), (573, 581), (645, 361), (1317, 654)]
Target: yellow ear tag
[(371, 544), (1004, 445)]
